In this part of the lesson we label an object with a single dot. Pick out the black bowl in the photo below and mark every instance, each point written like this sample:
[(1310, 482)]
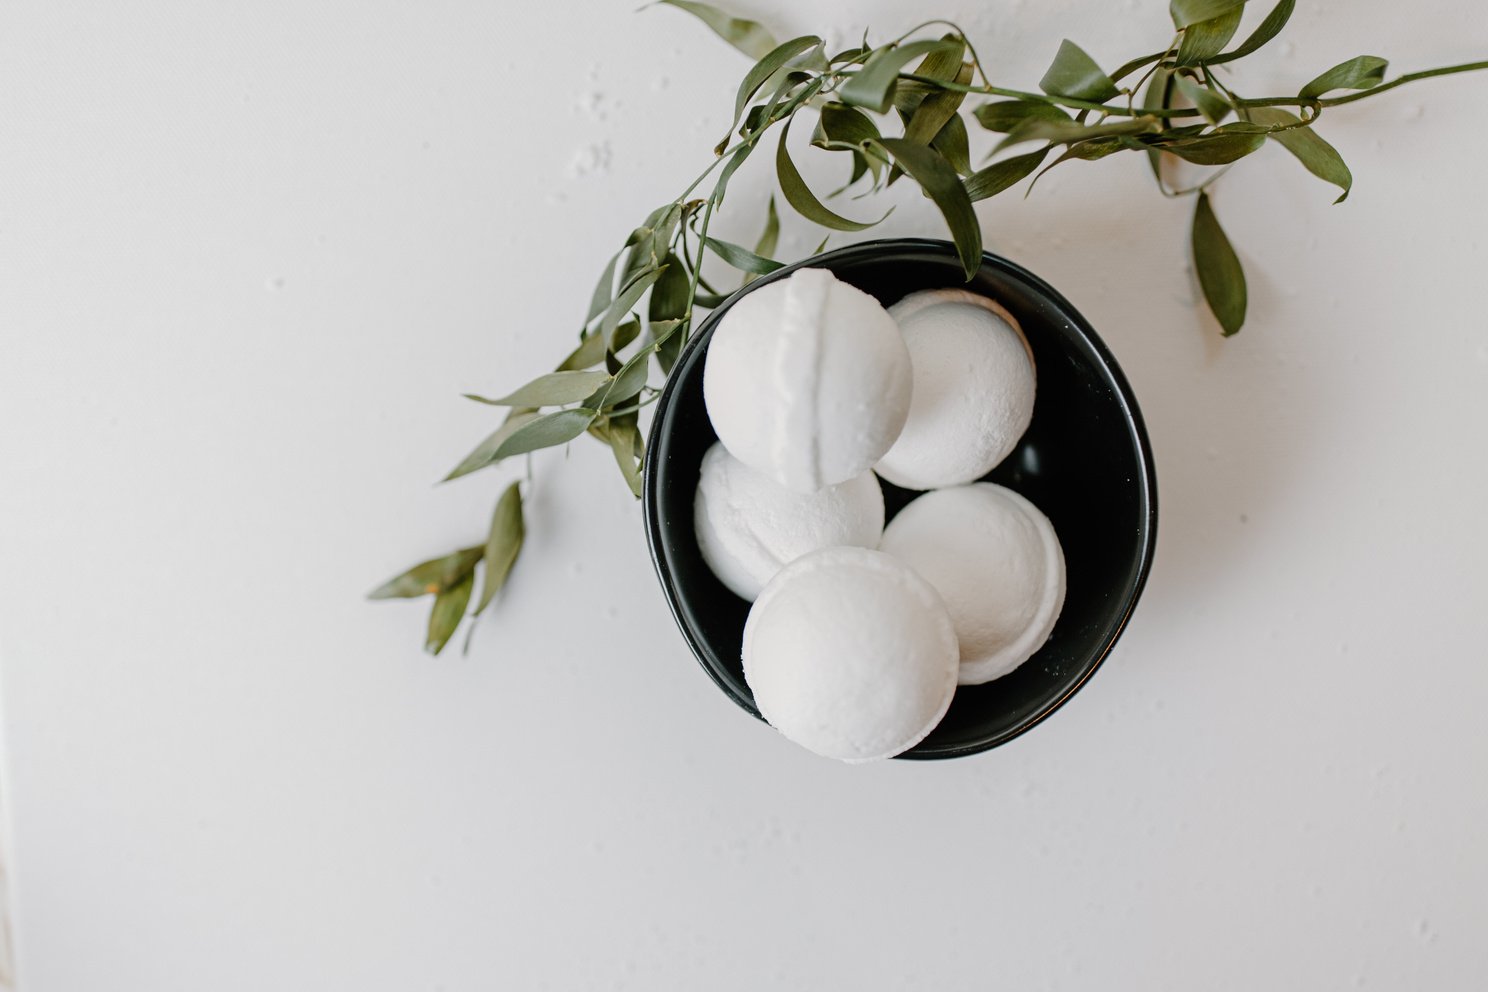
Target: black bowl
[(1085, 461)]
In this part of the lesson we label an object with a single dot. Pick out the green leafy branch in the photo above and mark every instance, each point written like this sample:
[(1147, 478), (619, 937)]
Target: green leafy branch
[(895, 110)]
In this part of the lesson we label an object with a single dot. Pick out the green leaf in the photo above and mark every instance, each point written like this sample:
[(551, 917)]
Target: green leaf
[(590, 352), (1359, 73), (553, 389), (939, 106), (1264, 32), (873, 85), (1209, 103), (1187, 12), (1005, 115), (1206, 39), (430, 577), (1218, 268), (624, 438), (841, 126), (1088, 151), (1138, 63), (1075, 75), (669, 301), (742, 258), (624, 335), (629, 296), (1316, 155), (1217, 148), (604, 290), (769, 238), (522, 434), (503, 544), (629, 380), (448, 611), (800, 197), (747, 36), (772, 62), (939, 180), (1159, 96), (954, 145), (1068, 132), (1003, 175)]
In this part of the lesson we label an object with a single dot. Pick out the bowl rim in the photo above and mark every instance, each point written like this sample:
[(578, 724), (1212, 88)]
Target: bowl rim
[(940, 249)]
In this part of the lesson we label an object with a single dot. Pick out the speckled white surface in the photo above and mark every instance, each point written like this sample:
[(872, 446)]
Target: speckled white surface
[(251, 257)]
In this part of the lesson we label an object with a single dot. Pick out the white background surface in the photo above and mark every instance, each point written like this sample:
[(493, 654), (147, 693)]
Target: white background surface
[(251, 257)]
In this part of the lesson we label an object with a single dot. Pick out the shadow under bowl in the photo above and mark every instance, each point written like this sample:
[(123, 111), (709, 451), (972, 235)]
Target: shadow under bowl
[(1085, 461)]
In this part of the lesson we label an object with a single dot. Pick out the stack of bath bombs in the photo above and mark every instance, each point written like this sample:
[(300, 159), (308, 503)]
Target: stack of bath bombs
[(859, 633)]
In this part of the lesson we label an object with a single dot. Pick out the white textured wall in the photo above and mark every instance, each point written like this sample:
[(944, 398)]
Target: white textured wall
[(250, 255)]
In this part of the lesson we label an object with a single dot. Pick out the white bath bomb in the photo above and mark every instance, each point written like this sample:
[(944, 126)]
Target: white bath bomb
[(749, 526), (973, 389), (995, 560), (851, 654), (807, 380)]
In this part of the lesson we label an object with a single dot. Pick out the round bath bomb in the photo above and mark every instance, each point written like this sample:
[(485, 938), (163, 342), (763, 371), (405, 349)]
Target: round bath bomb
[(995, 560), (807, 380), (749, 526), (851, 654), (973, 389)]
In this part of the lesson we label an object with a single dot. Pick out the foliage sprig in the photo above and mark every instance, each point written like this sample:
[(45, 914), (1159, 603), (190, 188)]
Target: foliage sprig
[(896, 110)]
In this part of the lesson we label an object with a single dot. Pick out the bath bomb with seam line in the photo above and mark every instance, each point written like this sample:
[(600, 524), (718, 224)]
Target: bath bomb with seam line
[(749, 526), (973, 389), (807, 380), (851, 654), (996, 561)]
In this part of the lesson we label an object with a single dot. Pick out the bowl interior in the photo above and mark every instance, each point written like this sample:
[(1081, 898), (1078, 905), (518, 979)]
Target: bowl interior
[(1084, 461)]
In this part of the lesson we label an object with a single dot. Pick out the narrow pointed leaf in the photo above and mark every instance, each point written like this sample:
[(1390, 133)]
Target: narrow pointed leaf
[(429, 577), (747, 36), (623, 336), (1187, 12), (1316, 155), (1005, 115), (624, 438), (742, 258), (446, 614), (800, 197), (1359, 73), (841, 126), (1076, 75), (669, 301), (769, 238), (1218, 268), (1206, 39), (954, 145), (1138, 63), (772, 62), (629, 380), (485, 452), (1213, 106), (553, 389), (1216, 149), (590, 352), (629, 296), (939, 106), (1003, 175), (604, 290), (522, 434), (503, 544), (939, 180), (1159, 96), (873, 85), (1068, 132), (1269, 28)]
